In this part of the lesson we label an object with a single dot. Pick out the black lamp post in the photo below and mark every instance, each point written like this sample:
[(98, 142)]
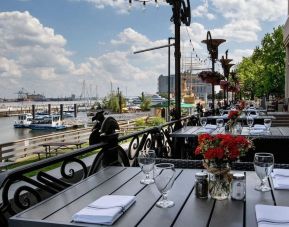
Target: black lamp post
[(169, 77), (226, 67), (181, 14), (212, 47)]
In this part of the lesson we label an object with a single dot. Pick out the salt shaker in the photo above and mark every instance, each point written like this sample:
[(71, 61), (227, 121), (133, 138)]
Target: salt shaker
[(201, 185), (238, 186)]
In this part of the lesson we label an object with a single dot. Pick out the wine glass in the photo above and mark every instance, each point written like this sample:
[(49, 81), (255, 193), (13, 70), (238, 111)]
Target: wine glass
[(219, 123), (221, 112), (250, 121), (164, 176), (203, 121), (267, 123), (146, 161), (263, 164)]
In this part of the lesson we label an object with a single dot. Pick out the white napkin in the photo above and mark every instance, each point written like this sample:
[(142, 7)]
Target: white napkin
[(280, 178), (257, 132), (105, 210), (204, 130), (211, 126), (261, 127), (272, 216)]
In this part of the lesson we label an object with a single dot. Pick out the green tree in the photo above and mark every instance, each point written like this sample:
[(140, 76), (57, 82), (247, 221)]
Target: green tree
[(145, 102), (264, 72), (112, 102)]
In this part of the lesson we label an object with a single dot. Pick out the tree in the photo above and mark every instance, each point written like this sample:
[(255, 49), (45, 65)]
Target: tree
[(145, 102), (264, 72)]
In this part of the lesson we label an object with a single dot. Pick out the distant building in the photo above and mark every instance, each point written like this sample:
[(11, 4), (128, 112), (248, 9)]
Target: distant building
[(194, 84), (163, 84)]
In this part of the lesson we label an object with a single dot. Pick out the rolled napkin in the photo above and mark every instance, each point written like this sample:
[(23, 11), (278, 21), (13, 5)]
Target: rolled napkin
[(211, 126), (257, 131), (105, 210), (272, 216), (261, 127), (280, 178)]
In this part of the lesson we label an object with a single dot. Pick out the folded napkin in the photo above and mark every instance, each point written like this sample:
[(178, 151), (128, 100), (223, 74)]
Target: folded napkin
[(280, 178), (257, 132), (272, 216), (105, 210), (261, 127), (204, 130), (211, 126)]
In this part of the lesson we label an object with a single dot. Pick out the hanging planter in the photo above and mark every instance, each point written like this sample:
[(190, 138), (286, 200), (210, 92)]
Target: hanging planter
[(224, 84), (211, 77)]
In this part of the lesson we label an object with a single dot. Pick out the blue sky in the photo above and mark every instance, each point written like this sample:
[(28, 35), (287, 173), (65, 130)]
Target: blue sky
[(52, 46)]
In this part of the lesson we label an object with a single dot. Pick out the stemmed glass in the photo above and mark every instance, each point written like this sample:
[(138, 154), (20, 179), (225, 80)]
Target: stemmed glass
[(221, 111), (219, 123), (146, 161), (263, 164), (203, 121), (164, 176), (267, 123), (250, 121)]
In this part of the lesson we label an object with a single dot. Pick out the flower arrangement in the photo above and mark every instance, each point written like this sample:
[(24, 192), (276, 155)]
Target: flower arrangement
[(222, 147), (218, 151)]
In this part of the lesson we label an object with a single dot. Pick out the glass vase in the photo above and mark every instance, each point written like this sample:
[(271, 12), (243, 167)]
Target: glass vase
[(219, 181)]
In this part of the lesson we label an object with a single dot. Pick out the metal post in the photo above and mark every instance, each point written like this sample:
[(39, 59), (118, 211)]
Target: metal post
[(61, 111), (169, 77), (75, 110), (213, 87), (177, 22), (49, 109), (33, 111)]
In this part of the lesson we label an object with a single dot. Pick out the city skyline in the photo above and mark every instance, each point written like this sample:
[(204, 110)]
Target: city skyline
[(52, 46)]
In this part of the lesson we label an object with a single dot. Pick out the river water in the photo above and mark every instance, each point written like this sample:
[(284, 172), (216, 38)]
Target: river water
[(10, 134)]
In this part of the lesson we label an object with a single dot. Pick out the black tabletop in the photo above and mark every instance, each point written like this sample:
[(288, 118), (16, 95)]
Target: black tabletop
[(188, 210)]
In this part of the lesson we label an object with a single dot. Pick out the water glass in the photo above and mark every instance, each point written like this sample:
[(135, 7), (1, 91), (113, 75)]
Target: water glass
[(164, 176), (146, 161), (267, 123), (219, 123), (263, 164), (250, 121), (203, 121)]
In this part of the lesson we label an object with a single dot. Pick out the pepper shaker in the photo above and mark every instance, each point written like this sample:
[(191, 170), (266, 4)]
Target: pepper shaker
[(201, 185)]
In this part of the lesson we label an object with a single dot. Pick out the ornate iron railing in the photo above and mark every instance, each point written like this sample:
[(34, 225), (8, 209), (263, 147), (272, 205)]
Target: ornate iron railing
[(18, 191)]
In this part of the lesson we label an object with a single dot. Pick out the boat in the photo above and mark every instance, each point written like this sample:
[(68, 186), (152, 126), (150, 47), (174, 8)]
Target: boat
[(24, 120), (50, 122)]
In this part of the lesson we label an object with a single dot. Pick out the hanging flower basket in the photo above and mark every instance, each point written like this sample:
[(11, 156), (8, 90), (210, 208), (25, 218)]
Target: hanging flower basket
[(211, 77), (224, 84)]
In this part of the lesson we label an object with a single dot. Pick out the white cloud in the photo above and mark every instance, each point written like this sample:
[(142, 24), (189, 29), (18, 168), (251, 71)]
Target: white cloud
[(34, 57), (31, 53), (238, 30), (268, 10), (203, 11)]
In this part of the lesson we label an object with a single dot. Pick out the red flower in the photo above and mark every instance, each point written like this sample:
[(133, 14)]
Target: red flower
[(222, 147)]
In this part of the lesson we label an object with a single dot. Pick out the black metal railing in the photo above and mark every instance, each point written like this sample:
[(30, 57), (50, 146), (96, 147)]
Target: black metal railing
[(18, 191)]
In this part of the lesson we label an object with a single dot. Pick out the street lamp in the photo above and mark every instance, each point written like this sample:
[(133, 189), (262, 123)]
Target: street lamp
[(181, 14), (212, 47), (169, 77), (225, 65)]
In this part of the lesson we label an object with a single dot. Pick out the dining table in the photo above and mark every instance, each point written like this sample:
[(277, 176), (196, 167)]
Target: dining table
[(188, 210), (185, 140)]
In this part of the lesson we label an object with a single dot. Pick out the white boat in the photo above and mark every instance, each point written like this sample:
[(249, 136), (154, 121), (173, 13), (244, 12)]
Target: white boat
[(51, 122), (24, 120)]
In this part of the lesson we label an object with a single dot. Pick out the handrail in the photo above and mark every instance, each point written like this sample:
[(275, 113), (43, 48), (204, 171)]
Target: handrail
[(107, 151)]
